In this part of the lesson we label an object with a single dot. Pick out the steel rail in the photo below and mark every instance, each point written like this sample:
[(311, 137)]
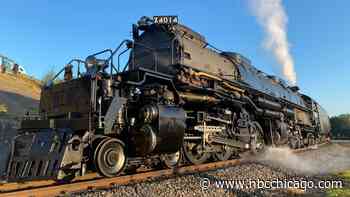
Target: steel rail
[(309, 148), (18, 186), (103, 183)]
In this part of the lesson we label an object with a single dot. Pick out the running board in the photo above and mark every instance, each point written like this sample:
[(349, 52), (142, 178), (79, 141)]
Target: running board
[(230, 142)]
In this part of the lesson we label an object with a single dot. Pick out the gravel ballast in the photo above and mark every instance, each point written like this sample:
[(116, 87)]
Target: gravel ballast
[(272, 165)]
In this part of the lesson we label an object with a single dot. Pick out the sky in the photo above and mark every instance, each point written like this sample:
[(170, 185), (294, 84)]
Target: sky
[(42, 35)]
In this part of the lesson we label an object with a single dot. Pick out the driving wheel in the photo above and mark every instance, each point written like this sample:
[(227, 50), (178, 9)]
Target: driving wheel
[(195, 152), (171, 160)]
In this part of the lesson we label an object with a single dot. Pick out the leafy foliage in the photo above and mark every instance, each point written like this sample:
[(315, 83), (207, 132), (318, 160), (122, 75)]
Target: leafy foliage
[(49, 77), (341, 126), (3, 108)]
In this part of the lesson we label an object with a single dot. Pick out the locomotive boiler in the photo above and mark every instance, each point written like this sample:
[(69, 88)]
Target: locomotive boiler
[(177, 99)]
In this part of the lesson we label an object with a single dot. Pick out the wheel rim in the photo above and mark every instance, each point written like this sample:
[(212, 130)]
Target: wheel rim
[(97, 149), (171, 160), (195, 153), (293, 143), (110, 158), (225, 153)]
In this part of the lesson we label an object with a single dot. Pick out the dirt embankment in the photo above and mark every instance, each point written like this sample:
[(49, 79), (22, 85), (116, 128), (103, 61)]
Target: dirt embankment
[(18, 94)]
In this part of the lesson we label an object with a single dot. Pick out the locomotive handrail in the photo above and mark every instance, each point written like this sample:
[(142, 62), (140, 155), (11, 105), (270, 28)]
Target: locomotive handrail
[(118, 47), (114, 52), (101, 52), (58, 74), (69, 63), (212, 46), (76, 60), (172, 48), (79, 61), (120, 54), (110, 58)]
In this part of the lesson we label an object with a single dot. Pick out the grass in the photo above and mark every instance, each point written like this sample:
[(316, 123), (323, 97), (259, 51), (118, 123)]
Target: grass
[(345, 175), (3, 108), (341, 192)]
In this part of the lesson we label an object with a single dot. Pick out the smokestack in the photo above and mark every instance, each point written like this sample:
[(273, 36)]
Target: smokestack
[(272, 17)]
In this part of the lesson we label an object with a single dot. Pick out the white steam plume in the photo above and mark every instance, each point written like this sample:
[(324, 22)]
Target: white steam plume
[(271, 15), (328, 159)]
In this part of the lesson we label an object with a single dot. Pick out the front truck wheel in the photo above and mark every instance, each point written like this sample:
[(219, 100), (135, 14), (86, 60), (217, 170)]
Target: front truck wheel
[(110, 158), (171, 160)]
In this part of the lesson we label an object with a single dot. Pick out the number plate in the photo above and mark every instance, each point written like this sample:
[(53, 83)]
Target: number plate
[(165, 20)]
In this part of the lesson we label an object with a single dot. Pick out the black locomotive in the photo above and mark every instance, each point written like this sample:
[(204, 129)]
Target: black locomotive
[(177, 98)]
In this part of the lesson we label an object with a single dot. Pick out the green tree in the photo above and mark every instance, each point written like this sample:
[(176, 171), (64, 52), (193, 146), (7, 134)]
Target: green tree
[(341, 126), (49, 77)]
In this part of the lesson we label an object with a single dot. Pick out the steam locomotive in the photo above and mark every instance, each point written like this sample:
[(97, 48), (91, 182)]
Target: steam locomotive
[(177, 99)]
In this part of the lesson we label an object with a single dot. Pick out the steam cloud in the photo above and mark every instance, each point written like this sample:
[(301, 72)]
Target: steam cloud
[(272, 17), (331, 159)]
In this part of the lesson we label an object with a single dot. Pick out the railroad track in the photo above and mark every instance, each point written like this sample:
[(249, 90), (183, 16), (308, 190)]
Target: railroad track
[(94, 182), (341, 141), (300, 150)]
